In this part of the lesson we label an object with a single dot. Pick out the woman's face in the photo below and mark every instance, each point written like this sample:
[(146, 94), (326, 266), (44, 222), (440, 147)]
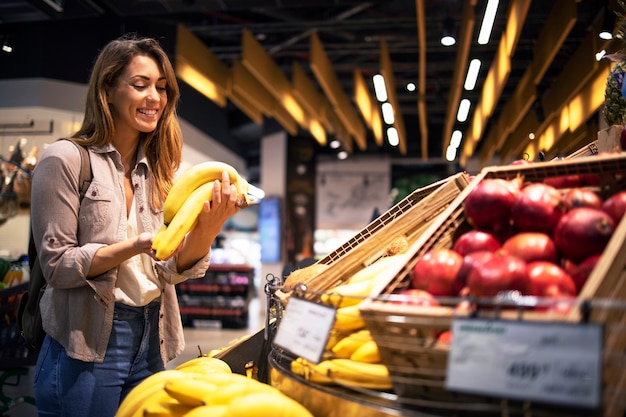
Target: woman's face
[(139, 97)]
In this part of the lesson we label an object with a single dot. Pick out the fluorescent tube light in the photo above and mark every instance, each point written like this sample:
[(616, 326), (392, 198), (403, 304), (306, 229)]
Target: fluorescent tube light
[(455, 139), (379, 88), (450, 153), (388, 113), (472, 74), (392, 136), (487, 24), (464, 108)]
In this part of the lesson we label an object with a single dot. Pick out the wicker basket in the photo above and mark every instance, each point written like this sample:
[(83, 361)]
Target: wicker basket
[(406, 219), (406, 335)]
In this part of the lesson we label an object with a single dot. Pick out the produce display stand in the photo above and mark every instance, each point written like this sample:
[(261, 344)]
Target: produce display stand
[(406, 335), (405, 220)]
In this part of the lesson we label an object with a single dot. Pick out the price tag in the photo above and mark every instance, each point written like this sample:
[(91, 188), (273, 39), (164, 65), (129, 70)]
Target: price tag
[(304, 328), (556, 363)]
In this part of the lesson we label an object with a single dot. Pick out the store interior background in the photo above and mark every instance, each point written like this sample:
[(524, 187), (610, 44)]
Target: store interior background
[(323, 201)]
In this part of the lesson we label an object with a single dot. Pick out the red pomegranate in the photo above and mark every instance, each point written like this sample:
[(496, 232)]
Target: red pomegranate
[(532, 246), (537, 208), (580, 272), (436, 270), (546, 279), (615, 206), (488, 206), (474, 241), (581, 197), (470, 261), (501, 272), (583, 232)]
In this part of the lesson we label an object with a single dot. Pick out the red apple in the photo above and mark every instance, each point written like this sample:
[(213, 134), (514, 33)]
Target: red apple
[(474, 241), (547, 279), (532, 246), (501, 272), (417, 297), (436, 270)]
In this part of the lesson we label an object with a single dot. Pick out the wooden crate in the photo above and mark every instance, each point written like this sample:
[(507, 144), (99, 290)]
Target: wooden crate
[(406, 335), (406, 219)]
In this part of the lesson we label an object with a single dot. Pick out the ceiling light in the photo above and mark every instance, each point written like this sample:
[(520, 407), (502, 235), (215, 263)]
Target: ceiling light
[(447, 37), (450, 153), (464, 108), (410, 86), (388, 113), (455, 139), (608, 24), (6, 47), (392, 136), (335, 144), (472, 74), (342, 155), (379, 88), (600, 55), (487, 24)]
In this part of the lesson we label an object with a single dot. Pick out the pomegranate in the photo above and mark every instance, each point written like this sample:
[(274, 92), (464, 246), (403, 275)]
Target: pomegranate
[(445, 337), (615, 206), (418, 298), (488, 206), (581, 197), (538, 207), (547, 279), (501, 272), (583, 232), (470, 261), (532, 246), (565, 181), (474, 241), (580, 272), (436, 270)]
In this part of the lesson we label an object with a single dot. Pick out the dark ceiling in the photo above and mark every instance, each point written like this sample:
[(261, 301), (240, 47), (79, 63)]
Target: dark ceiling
[(350, 31)]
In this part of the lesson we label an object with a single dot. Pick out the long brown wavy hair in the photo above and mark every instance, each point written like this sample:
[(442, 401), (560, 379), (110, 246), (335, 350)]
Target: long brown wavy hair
[(163, 146)]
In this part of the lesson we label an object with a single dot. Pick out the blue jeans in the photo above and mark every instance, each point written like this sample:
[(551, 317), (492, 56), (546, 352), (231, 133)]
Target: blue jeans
[(66, 387)]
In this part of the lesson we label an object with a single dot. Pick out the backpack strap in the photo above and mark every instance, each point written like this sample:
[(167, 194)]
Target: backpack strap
[(85, 176)]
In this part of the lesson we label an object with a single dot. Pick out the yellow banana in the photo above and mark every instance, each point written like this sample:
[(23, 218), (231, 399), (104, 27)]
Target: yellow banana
[(349, 344), (233, 392), (371, 375), (205, 362), (373, 270), (194, 177), (191, 391), (158, 236), (264, 405), (162, 405), (367, 352), (182, 223), (149, 386), (361, 284), (345, 295), (208, 411), (344, 372), (348, 319)]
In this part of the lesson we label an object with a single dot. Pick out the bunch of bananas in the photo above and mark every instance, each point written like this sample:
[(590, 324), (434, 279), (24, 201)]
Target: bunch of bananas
[(184, 203), (351, 356), (205, 386)]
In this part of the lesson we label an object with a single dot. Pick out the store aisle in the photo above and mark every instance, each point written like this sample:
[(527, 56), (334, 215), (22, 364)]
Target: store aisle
[(206, 339)]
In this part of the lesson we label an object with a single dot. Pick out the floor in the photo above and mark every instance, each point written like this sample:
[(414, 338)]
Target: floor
[(196, 339)]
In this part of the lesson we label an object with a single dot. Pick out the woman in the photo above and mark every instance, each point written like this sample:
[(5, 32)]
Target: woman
[(110, 309)]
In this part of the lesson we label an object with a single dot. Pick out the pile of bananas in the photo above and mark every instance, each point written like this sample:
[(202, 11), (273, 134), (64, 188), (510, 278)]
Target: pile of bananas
[(185, 200), (206, 387), (351, 356)]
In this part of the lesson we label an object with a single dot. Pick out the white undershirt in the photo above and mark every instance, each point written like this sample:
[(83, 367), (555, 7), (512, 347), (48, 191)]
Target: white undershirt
[(137, 284)]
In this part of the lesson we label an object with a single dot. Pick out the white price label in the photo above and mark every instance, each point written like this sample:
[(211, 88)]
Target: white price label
[(304, 328), (551, 362)]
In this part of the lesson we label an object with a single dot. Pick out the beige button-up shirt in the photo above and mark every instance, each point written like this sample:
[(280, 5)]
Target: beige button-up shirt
[(76, 311)]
